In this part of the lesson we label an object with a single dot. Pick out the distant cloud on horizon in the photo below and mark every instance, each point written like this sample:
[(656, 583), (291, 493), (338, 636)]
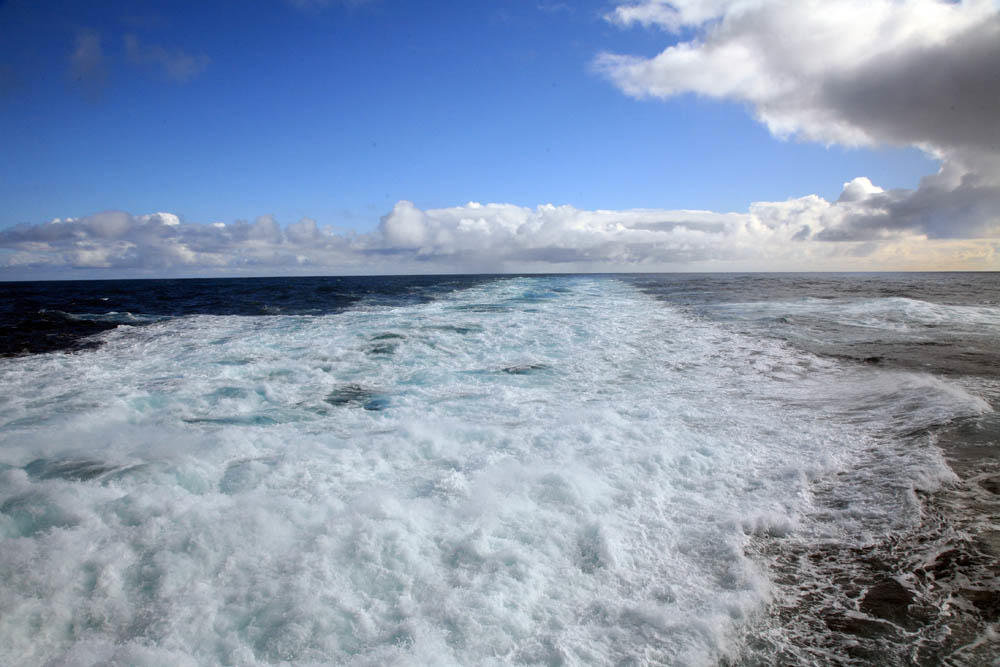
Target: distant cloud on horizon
[(799, 234), (870, 73)]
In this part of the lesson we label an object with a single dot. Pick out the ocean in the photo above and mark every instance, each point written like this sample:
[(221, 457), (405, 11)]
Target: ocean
[(681, 469)]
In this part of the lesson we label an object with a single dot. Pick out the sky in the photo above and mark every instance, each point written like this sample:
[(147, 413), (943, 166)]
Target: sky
[(386, 136)]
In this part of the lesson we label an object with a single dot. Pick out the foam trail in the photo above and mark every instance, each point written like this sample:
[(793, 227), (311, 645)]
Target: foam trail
[(533, 470)]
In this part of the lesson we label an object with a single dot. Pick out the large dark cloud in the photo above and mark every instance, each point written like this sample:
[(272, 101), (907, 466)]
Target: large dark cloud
[(922, 73), (945, 96)]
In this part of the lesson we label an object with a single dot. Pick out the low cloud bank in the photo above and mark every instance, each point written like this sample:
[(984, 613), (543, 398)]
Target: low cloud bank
[(807, 233)]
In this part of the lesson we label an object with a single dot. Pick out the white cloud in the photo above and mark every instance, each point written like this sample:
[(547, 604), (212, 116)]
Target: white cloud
[(804, 233), (675, 14), (921, 73)]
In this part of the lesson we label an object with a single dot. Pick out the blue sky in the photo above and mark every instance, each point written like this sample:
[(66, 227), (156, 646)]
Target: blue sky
[(336, 111)]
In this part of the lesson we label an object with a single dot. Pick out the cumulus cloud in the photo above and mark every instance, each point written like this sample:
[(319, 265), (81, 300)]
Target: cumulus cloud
[(799, 234), (176, 65), (673, 14), (161, 242), (922, 73), (559, 235)]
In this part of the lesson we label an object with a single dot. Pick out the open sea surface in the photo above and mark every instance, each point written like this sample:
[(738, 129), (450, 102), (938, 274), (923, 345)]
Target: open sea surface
[(473, 470)]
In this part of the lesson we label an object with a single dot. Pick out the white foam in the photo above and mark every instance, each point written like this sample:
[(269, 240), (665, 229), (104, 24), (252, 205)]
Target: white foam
[(559, 476), (896, 314)]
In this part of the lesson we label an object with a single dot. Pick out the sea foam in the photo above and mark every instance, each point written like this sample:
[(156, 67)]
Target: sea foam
[(539, 470)]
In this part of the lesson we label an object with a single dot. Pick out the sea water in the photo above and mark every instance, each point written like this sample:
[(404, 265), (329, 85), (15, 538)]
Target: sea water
[(506, 470)]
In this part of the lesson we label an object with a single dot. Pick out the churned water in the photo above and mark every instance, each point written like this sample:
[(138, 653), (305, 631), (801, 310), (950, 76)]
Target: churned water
[(516, 470)]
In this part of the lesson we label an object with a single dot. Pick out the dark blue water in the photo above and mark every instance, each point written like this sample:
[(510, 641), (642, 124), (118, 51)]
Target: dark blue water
[(823, 313), (64, 315)]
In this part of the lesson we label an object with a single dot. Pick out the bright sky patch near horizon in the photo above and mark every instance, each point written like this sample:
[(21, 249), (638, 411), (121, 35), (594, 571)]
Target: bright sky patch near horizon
[(374, 136)]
